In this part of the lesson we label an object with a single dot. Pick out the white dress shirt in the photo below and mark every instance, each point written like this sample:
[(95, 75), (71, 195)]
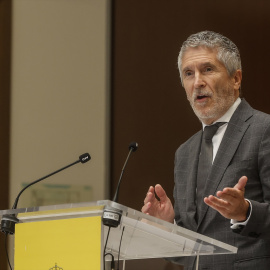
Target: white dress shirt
[(216, 140)]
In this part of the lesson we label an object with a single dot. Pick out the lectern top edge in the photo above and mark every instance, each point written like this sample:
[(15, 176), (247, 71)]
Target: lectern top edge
[(96, 209)]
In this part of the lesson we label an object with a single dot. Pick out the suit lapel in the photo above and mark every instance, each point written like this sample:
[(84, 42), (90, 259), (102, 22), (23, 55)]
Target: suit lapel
[(232, 138), (192, 180)]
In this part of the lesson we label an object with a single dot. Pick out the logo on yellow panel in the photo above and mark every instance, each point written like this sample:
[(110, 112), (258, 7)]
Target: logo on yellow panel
[(56, 267)]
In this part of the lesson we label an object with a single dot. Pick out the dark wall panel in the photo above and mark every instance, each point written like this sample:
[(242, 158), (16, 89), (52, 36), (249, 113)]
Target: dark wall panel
[(5, 45), (149, 104)]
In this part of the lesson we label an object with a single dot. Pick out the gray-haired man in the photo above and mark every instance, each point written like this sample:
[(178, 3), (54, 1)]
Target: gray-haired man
[(228, 201)]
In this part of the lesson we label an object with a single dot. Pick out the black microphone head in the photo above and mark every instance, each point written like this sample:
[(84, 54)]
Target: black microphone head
[(133, 146), (84, 157)]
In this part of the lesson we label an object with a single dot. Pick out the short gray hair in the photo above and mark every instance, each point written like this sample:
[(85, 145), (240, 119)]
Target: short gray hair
[(227, 51)]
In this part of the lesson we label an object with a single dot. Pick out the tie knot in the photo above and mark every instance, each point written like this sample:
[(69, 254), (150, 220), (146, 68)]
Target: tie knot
[(210, 131)]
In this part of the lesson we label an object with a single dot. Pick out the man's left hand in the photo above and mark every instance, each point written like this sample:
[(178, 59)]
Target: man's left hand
[(230, 202)]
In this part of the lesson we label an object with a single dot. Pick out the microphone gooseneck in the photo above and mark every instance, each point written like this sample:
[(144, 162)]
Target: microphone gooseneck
[(8, 221), (111, 216), (132, 148)]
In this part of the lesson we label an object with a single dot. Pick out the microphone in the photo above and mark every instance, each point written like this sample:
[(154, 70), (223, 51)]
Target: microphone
[(132, 148), (111, 216), (8, 221)]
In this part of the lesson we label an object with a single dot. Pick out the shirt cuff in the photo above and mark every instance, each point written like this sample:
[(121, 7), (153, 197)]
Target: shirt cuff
[(236, 224)]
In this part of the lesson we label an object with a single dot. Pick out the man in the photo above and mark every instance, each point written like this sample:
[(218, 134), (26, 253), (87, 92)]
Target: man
[(229, 201)]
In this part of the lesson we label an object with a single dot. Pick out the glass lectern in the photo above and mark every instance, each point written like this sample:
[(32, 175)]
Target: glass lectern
[(72, 237)]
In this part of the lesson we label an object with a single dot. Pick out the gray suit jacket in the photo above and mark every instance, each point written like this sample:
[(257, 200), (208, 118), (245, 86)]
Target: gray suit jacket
[(244, 150)]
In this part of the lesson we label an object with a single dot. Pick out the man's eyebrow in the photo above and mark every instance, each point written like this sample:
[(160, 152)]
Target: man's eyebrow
[(186, 68), (204, 64), (207, 64)]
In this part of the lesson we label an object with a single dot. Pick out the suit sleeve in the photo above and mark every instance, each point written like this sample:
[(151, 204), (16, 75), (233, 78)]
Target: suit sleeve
[(258, 225)]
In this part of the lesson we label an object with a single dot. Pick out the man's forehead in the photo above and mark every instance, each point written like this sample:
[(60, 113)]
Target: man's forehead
[(200, 54)]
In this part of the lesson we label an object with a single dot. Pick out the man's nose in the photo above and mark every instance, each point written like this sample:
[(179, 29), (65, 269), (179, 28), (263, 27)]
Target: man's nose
[(199, 81)]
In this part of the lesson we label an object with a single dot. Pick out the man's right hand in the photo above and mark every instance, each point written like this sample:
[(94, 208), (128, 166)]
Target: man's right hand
[(161, 208)]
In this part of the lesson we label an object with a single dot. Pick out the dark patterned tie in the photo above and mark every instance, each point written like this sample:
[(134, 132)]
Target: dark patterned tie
[(205, 160)]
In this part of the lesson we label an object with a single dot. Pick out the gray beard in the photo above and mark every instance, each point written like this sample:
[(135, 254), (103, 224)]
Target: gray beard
[(221, 107)]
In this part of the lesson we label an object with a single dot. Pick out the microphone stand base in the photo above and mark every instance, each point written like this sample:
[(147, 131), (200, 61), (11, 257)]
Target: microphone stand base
[(8, 224), (111, 217)]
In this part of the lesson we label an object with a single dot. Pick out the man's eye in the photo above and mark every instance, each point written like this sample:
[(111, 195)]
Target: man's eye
[(188, 73), (208, 69)]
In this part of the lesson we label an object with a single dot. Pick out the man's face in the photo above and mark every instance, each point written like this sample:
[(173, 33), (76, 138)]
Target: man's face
[(209, 88)]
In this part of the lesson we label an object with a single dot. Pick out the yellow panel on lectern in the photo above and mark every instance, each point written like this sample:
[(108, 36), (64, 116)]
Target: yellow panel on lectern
[(71, 244)]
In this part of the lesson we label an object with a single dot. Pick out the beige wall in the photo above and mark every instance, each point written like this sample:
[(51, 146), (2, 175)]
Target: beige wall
[(60, 97)]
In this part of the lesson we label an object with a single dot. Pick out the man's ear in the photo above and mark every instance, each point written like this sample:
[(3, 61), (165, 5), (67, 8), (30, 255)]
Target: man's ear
[(237, 79)]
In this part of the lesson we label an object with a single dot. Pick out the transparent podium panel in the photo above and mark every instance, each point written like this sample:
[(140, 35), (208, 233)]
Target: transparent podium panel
[(138, 236), (141, 236)]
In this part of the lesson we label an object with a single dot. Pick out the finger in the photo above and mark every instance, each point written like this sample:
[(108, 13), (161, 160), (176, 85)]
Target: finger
[(209, 202), (231, 201), (241, 183), (146, 207), (230, 193), (215, 202), (161, 193), (150, 197), (223, 211)]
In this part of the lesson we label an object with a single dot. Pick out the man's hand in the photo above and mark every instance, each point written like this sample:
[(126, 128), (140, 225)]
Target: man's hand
[(161, 208), (230, 202)]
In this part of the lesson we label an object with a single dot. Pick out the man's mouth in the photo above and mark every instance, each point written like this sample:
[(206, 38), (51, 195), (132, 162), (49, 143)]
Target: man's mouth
[(201, 97)]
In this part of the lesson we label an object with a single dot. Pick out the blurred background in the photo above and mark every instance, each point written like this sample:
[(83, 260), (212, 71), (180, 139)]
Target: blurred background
[(94, 75)]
